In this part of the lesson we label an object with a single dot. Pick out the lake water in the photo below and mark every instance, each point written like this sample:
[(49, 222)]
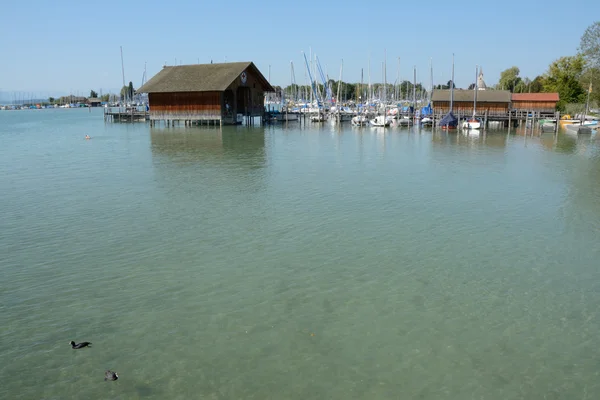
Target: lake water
[(296, 262)]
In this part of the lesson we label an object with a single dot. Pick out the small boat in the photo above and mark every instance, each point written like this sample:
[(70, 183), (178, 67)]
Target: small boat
[(380, 120), (286, 117), (359, 120), (578, 129), (405, 121), (471, 123), (320, 117), (449, 121), (427, 121)]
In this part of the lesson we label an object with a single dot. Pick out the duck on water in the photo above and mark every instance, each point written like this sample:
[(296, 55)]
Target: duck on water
[(80, 345), (110, 375)]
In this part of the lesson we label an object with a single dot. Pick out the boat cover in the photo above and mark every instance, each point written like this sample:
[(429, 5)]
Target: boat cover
[(426, 110), (449, 120)]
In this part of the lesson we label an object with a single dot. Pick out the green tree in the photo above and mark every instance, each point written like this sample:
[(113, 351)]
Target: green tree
[(105, 97), (564, 76), (446, 86), (51, 100), (537, 85), (130, 90), (93, 94), (590, 44), (509, 79)]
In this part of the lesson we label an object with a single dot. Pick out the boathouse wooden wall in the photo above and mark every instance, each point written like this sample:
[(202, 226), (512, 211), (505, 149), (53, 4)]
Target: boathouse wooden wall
[(248, 97), (466, 107), (542, 106), (190, 106)]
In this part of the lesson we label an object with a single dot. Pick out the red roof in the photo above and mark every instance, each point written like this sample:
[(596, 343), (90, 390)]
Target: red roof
[(535, 97)]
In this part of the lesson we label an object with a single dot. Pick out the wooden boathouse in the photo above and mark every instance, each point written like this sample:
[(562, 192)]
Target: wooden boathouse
[(489, 102), (221, 93), (538, 102)]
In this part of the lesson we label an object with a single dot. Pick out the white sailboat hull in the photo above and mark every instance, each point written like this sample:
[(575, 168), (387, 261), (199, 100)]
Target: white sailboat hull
[(471, 124), (380, 121)]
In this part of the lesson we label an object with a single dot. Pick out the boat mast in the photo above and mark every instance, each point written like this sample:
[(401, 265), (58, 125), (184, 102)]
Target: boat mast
[(337, 99), (369, 76), (123, 71), (430, 79), (384, 77), (587, 102), (414, 89), (452, 85), (475, 89), (359, 93), (396, 91)]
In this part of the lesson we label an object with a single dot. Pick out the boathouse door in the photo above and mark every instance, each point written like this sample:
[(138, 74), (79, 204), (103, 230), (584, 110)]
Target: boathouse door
[(243, 100)]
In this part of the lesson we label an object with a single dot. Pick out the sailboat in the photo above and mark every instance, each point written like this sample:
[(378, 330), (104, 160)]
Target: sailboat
[(360, 119), (380, 121), (473, 122), (583, 126), (284, 115), (449, 121), (320, 115), (426, 120)]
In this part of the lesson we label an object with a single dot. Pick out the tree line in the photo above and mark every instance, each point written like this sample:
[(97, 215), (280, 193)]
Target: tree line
[(354, 91), (572, 77), (127, 92)]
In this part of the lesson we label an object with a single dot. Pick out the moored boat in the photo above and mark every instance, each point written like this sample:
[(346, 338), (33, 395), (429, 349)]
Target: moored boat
[(471, 123), (380, 121)]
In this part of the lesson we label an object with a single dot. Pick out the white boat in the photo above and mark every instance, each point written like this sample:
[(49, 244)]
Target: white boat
[(320, 117), (405, 121), (471, 123), (286, 117), (427, 121), (359, 120), (380, 120), (578, 129)]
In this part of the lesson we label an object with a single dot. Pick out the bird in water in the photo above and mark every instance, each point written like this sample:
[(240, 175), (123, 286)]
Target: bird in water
[(79, 345), (110, 375)]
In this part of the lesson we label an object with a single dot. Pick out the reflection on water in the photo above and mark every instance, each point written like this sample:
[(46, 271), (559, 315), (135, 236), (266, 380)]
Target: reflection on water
[(470, 139), (202, 144)]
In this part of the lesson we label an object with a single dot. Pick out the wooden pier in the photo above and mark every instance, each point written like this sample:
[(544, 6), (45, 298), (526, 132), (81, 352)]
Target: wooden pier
[(126, 114)]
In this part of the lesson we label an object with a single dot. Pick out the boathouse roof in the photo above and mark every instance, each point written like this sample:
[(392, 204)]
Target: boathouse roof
[(546, 97), (202, 78), (491, 96)]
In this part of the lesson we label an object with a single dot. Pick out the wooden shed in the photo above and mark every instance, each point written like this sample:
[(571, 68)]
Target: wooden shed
[(494, 102), (94, 102), (541, 102), (207, 92)]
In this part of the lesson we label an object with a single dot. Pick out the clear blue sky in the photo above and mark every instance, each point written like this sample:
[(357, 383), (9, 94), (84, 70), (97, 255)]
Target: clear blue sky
[(57, 47)]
